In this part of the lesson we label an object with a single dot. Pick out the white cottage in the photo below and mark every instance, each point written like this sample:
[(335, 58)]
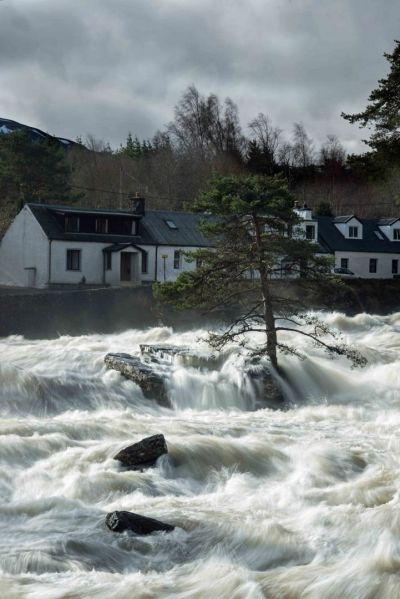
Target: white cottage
[(58, 245)]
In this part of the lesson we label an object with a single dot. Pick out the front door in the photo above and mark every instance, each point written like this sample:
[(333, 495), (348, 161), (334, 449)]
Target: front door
[(126, 266)]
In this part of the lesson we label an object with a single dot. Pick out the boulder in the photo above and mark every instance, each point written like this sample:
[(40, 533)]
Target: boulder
[(268, 391), (143, 454), (141, 525), (151, 383)]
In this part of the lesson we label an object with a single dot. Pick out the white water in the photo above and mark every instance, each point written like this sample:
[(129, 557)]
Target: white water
[(276, 504)]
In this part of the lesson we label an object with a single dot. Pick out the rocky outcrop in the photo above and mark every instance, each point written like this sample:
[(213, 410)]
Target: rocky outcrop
[(143, 454), (151, 383), (141, 525), (167, 354), (268, 391)]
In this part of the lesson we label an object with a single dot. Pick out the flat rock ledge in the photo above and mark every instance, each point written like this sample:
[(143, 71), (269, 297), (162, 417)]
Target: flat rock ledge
[(166, 354), (143, 454), (141, 525), (151, 383)]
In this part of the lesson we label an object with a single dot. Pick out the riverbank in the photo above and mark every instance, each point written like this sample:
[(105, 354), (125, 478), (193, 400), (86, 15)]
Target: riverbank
[(49, 313)]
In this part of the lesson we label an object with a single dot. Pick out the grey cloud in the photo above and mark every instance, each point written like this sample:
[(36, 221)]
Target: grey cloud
[(107, 67)]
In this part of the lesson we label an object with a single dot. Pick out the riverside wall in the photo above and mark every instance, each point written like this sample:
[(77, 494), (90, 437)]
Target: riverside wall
[(51, 313)]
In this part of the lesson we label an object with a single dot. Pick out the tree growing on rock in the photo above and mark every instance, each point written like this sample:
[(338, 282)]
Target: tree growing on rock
[(255, 239)]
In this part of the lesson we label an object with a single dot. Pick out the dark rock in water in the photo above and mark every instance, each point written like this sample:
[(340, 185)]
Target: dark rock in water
[(268, 390), (141, 525), (151, 383), (143, 454)]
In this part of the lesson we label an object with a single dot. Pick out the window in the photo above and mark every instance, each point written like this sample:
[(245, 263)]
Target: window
[(144, 262), (73, 259), (171, 224), (395, 267), (310, 231), (101, 225), (353, 231), (108, 258), (177, 259), (344, 263), (72, 224), (373, 262), (396, 234)]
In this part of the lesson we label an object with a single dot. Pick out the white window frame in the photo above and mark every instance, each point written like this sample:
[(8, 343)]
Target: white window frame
[(353, 229)]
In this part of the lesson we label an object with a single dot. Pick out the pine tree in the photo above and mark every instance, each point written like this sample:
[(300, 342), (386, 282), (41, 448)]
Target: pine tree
[(383, 110), (251, 224), (33, 170)]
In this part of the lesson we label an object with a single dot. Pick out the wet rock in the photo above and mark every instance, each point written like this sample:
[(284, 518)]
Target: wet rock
[(143, 454), (141, 525), (151, 383), (268, 391), (167, 354)]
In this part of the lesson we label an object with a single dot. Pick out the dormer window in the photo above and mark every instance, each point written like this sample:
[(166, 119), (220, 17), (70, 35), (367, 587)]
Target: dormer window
[(396, 234), (353, 232), (101, 225), (71, 224)]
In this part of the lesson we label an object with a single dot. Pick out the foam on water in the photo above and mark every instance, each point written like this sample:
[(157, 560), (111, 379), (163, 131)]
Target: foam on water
[(296, 503)]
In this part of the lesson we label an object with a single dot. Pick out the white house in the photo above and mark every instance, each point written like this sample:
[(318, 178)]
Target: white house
[(368, 248), (57, 245)]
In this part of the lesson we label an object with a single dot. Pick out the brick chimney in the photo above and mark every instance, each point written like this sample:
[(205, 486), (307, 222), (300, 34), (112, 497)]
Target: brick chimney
[(137, 205)]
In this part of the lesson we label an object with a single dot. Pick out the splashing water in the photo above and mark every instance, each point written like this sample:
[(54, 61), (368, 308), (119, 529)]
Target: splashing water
[(287, 504)]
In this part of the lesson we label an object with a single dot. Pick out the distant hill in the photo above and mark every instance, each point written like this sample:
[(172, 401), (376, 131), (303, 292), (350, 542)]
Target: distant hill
[(8, 126)]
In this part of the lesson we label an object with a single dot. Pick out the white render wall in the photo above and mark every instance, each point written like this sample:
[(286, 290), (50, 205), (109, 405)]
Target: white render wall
[(24, 253), (91, 263), (359, 264), (171, 273)]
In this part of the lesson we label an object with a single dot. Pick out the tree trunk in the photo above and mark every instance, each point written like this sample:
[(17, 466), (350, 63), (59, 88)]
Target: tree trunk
[(270, 329)]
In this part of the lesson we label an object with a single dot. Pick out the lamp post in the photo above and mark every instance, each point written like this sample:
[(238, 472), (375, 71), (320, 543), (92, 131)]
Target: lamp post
[(164, 257)]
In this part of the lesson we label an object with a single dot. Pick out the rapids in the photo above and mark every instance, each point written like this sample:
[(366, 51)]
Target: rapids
[(301, 502)]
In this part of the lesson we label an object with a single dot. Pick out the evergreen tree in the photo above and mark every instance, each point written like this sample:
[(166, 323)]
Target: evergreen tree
[(251, 232), (383, 110), (33, 170)]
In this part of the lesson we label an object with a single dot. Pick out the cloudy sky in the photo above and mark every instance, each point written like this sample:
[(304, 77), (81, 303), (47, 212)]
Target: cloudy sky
[(107, 67)]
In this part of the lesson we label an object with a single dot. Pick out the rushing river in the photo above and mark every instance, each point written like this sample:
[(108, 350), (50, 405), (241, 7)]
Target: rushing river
[(278, 504)]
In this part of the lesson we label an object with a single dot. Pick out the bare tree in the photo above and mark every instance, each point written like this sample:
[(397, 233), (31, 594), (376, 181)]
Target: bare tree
[(267, 136), (303, 147)]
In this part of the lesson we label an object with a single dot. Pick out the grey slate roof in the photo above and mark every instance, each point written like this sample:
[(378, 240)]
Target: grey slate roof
[(186, 234), (344, 219), (330, 238), (153, 229)]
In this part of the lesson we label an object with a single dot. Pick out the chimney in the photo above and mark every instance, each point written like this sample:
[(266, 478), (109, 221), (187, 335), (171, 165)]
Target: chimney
[(137, 204)]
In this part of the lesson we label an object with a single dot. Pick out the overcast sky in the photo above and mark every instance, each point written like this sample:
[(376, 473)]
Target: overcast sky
[(107, 67)]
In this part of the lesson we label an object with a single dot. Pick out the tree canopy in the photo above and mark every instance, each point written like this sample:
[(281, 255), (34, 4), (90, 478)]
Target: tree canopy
[(383, 110), (256, 236), (33, 170)]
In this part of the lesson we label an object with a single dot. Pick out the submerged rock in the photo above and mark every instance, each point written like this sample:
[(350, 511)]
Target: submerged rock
[(151, 383), (141, 525), (143, 454)]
